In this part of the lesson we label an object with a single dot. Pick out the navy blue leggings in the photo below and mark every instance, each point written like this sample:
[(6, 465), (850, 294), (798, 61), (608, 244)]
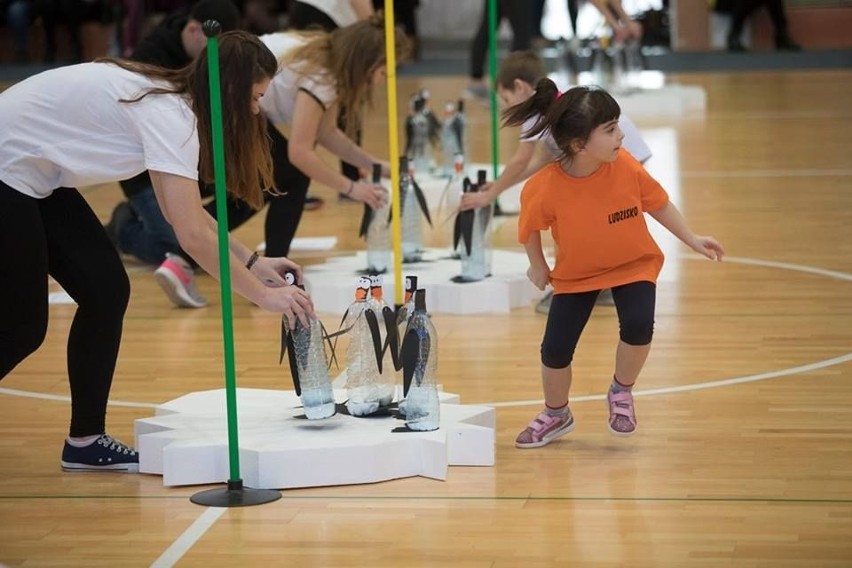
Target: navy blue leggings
[(61, 236), (569, 313)]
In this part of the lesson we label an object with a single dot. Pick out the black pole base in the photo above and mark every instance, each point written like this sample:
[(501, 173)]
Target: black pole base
[(235, 496)]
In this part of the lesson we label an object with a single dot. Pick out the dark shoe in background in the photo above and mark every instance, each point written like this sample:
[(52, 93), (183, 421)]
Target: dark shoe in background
[(736, 46), (120, 215), (784, 42)]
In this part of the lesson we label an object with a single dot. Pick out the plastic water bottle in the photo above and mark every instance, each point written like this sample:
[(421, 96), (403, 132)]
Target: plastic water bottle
[(412, 238), (378, 233), (452, 140), (383, 382), (477, 265), (361, 366), (422, 407), (317, 395), (402, 316), (417, 145)]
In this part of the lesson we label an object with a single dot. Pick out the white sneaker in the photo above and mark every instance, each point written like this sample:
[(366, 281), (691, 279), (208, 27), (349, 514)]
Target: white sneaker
[(177, 279)]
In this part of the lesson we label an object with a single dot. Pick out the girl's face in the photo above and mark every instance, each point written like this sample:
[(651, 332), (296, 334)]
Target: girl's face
[(257, 91), (519, 92), (604, 142)]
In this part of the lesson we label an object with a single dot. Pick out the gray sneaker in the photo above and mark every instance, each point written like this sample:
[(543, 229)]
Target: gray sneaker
[(478, 92), (543, 305)]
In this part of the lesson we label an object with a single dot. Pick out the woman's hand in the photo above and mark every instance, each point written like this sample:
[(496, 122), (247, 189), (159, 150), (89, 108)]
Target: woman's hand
[(708, 246), (475, 200), (373, 195), (539, 275), (291, 301), (271, 270)]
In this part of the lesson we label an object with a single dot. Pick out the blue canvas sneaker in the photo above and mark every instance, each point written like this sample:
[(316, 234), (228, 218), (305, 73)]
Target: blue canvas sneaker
[(104, 454)]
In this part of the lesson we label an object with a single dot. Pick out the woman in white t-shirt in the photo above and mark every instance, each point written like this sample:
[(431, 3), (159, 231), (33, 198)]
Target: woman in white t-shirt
[(319, 73), (101, 122)]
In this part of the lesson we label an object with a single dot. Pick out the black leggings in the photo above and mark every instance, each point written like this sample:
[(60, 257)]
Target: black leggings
[(61, 236), (742, 9), (569, 313), (285, 211), (519, 13)]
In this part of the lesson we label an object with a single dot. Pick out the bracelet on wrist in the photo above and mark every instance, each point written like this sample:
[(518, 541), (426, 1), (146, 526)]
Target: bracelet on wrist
[(252, 259)]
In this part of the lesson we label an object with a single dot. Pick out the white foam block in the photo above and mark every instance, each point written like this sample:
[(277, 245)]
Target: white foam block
[(186, 442)]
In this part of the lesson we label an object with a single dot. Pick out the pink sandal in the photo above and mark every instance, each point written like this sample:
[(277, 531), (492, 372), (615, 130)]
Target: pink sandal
[(622, 415)]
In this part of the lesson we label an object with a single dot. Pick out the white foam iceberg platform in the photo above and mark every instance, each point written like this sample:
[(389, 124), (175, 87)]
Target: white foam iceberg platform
[(186, 442)]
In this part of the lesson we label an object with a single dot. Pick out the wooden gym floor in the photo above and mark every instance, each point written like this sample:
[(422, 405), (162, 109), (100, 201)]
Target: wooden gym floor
[(744, 451)]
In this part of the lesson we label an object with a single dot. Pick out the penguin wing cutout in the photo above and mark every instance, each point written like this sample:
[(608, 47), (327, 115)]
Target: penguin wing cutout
[(391, 339), (422, 200), (485, 217), (409, 134), (463, 229), (289, 347), (376, 335), (434, 127), (458, 132), (332, 347), (414, 353), (366, 219), (408, 354)]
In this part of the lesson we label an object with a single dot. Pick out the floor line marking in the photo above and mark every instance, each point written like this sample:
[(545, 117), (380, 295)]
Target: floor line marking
[(339, 381), (696, 386), (66, 398), (190, 536)]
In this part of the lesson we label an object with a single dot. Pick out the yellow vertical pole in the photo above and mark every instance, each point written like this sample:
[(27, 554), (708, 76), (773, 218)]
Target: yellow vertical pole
[(393, 147)]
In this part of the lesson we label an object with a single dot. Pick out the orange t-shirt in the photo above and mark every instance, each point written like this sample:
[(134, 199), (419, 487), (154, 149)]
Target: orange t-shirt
[(596, 222)]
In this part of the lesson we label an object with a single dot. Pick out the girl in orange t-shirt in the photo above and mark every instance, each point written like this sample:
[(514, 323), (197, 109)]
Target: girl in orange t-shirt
[(592, 199)]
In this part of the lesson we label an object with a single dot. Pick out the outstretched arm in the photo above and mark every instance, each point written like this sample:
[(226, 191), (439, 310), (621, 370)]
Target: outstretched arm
[(180, 202), (517, 170), (313, 124), (669, 217), (623, 26)]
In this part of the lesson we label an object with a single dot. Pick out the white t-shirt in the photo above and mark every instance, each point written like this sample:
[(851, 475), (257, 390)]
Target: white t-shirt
[(633, 141), (66, 128), (280, 98), (340, 11)]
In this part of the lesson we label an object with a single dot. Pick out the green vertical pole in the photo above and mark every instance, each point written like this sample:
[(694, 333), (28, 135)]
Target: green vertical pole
[(492, 69), (224, 255), (235, 495)]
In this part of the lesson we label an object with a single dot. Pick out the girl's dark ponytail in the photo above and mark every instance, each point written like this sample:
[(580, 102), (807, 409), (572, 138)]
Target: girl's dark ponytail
[(537, 105)]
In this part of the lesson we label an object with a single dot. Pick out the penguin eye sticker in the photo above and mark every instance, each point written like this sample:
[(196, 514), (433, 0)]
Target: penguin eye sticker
[(289, 278), (364, 282), (407, 283)]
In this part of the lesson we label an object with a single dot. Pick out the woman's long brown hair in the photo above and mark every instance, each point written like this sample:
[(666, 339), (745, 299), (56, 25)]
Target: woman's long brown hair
[(348, 56), (243, 62)]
